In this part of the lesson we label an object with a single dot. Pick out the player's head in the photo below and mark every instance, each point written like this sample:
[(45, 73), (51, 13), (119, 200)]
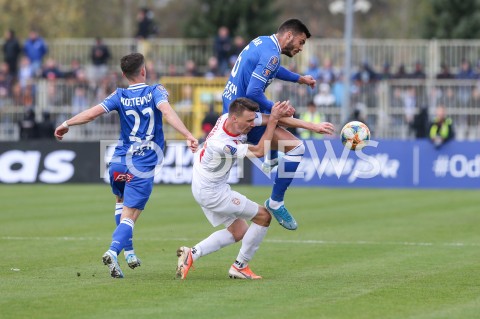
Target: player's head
[(292, 35), (133, 65), (241, 115)]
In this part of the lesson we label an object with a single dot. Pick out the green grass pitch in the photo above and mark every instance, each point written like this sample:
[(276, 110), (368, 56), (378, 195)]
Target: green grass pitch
[(358, 253)]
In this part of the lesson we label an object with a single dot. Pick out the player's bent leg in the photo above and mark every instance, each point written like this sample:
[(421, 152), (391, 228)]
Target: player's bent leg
[(110, 260), (242, 273), (184, 263), (132, 260), (282, 215), (250, 243), (294, 150), (270, 161)]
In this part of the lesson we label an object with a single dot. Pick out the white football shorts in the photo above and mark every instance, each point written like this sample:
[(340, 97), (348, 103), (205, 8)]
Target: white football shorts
[(224, 206)]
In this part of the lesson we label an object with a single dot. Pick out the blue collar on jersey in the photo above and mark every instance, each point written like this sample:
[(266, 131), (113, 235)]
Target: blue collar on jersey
[(136, 86), (275, 40)]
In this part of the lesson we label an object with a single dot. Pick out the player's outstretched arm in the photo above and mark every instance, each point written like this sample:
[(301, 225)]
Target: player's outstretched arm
[(307, 80), (172, 118), (321, 128), (279, 110), (287, 75), (79, 119)]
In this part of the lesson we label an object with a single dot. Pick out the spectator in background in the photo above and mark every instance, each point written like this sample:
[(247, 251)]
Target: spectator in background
[(441, 129), (99, 55), (51, 71), (146, 28), (5, 88), (28, 125), (80, 100), (152, 74), (410, 104), (222, 47), (208, 122), (357, 114), (35, 49), (191, 68), (313, 116), (212, 68), (237, 47), (46, 127), (25, 73), (420, 122), (466, 72), (365, 75), (418, 72), (401, 72), (327, 73), (314, 70), (444, 73), (338, 89), (6, 81), (386, 72), (11, 52), (75, 69), (186, 102), (324, 96)]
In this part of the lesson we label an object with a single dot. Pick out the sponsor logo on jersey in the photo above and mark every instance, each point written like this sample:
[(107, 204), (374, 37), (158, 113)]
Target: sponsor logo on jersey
[(122, 177), (272, 63), (162, 90), (266, 72), (228, 149), (236, 201)]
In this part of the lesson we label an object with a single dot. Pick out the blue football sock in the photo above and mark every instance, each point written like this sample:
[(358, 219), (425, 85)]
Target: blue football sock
[(118, 212), (122, 235), (287, 166), (118, 215)]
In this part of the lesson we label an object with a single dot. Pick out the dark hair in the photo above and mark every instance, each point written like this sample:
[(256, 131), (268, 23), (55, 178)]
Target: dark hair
[(131, 64), (238, 106), (295, 26)]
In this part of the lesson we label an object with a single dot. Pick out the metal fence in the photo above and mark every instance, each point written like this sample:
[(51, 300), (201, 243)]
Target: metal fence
[(388, 102)]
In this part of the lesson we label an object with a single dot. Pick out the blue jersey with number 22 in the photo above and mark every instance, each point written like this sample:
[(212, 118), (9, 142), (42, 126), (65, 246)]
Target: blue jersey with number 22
[(141, 135)]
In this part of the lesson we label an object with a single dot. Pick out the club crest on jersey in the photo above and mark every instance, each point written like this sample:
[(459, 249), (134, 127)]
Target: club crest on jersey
[(272, 63), (228, 149), (266, 72)]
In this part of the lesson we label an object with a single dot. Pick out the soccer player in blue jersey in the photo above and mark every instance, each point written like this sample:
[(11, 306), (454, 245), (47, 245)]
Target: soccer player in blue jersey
[(256, 67), (141, 108)]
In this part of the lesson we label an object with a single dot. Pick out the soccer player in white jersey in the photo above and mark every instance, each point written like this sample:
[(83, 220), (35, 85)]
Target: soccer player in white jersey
[(141, 108), (221, 205), (256, 67)]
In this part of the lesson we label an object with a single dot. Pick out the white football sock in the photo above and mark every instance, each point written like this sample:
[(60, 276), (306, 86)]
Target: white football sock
[(274, 204), (212, 243), (250, 243)]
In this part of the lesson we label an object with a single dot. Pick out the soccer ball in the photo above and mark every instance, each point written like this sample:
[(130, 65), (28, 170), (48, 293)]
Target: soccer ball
[(355, 135)]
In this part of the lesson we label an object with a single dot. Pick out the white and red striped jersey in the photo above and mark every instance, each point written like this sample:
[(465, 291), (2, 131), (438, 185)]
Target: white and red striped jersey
[(218, 154)]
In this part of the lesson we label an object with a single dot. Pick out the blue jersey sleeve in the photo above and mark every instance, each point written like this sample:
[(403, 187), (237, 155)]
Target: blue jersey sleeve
[(160, 95), (111, 103), (265, 69), (255, 91), (286, 75)]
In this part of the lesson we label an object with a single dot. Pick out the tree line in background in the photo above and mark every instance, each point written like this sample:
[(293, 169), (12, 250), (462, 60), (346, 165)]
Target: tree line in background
[(408, 19)]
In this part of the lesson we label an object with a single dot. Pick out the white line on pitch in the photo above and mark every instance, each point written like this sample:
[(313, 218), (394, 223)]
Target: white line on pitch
[(273, 241)]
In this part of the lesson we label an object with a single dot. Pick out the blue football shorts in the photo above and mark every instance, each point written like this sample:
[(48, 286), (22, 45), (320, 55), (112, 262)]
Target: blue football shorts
[(135, 190)]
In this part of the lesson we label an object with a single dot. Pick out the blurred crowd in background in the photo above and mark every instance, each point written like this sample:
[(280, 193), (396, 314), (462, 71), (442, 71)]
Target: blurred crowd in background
[(85, 85)]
